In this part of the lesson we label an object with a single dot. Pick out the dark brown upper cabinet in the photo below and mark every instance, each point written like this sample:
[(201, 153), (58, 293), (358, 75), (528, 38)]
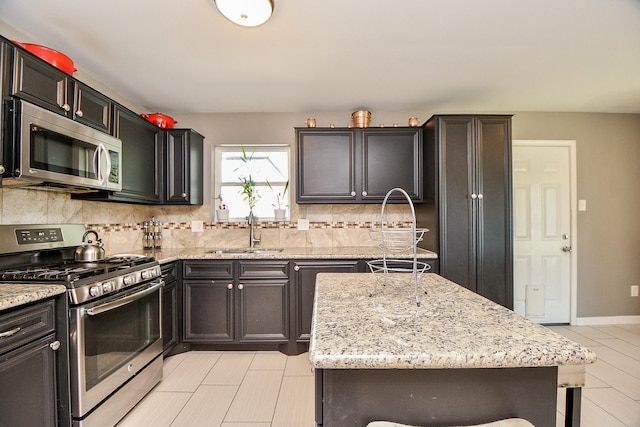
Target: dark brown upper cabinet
[(142, 161), (358, 165), (183, 159), (46, 86)]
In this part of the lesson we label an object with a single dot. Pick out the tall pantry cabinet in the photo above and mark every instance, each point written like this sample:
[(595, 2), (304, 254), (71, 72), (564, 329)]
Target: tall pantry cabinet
[(469, 206)]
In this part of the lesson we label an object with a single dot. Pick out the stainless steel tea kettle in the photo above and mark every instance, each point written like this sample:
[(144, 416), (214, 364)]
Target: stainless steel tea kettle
[(89, 251)]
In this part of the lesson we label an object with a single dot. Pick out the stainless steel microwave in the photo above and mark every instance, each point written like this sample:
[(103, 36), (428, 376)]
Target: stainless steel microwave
[(51, 151)]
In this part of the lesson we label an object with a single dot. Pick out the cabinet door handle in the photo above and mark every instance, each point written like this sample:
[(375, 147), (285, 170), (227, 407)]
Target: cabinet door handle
[(184, 195), (480, 196), (230, 286), (296, 268), (79, 113), (66, 107), (55, 345), (474, 196), (353, 194), (10, 332), (241, 286)]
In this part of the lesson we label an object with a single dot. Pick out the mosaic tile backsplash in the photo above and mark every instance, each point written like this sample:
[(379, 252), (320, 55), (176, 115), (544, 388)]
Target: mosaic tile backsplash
[(120, 225)]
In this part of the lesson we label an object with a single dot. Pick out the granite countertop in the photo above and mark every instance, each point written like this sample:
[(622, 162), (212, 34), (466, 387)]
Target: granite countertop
[(452, 328), (14, 295), (348, 252)]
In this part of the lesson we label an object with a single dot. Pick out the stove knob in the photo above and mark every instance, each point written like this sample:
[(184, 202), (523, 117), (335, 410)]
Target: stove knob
[(129, 280), (107, 287), (147, 274), (95, 291)]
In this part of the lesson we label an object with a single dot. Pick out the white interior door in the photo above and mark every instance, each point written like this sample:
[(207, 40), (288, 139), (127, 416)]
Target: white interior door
[(544, 230)]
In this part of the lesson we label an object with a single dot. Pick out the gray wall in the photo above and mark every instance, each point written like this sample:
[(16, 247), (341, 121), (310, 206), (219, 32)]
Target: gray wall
[(608, 149)]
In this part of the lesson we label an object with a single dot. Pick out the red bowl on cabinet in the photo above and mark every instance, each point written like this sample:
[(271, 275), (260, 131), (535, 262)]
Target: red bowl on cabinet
[(53, 57), (161, 120)]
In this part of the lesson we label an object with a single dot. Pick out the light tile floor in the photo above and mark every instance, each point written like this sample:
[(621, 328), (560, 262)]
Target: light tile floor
[(611, 397), (229, 389), (269, 389)]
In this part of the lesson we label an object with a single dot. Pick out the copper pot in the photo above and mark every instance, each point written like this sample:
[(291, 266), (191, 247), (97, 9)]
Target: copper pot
[(361, 118)]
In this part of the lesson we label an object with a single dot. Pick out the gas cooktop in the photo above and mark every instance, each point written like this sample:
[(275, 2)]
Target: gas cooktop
[(71, 271), (35, 253)]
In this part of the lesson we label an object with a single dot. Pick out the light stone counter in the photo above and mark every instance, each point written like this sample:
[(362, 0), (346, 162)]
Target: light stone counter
[(14, 295), (342, 252), (453, 328)]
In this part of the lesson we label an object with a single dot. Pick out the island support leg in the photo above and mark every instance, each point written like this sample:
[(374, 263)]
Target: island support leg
[(572, 407)]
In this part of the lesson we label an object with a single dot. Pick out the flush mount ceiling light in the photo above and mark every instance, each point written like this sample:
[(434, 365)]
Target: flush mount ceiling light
[(248, 13)]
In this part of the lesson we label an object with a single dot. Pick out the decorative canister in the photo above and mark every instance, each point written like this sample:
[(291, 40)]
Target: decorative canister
[(413, 122), (311, 122), (361, 118)]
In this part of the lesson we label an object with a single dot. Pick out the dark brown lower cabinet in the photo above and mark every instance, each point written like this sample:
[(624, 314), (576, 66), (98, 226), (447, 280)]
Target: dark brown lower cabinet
[(236, 302), (169, 306), (254, 303), (304, 273), (34, 388)]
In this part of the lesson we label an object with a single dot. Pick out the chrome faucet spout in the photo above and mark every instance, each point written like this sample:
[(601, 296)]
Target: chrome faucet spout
[(252, 235)]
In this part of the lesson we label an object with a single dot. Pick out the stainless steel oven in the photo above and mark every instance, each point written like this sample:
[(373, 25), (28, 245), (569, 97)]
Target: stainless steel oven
[(115, 338), (112, 341)]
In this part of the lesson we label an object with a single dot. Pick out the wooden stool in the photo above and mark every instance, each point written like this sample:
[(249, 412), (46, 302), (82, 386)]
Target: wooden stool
[(511, 422)]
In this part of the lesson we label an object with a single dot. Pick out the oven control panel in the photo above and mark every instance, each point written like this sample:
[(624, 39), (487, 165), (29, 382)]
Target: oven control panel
[(31, 236)]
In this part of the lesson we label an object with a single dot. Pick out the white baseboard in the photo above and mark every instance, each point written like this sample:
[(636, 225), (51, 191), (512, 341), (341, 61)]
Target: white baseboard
[(607, 320)]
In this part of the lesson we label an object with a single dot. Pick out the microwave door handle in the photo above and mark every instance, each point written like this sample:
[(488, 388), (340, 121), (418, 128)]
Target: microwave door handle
[(107, 157), (101, 150), (122, 301), (96, 161)]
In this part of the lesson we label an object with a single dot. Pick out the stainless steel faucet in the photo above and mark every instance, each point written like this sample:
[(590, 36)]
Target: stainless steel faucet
[(252, 235)]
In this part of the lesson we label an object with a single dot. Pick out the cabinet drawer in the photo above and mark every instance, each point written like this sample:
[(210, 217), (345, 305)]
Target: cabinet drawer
[(208, 270), (26, 324), (264, 269)]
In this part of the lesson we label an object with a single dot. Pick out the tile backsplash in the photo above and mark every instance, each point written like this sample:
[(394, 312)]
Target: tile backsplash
[(120, 225)]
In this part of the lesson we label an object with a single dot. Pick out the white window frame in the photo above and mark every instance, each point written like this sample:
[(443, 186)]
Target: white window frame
[(249, 148)]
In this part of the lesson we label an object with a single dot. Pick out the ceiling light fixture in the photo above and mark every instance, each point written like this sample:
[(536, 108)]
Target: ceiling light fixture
[(248, 13)]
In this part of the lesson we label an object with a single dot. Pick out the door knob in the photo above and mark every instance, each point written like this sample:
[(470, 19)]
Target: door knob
[(567, 249), (565, 236)]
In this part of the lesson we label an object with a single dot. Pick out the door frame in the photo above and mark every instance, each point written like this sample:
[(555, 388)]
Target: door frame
[(573, 189)]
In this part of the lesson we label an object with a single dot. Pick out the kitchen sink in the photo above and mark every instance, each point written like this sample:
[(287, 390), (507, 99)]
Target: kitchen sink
[(246, 251)]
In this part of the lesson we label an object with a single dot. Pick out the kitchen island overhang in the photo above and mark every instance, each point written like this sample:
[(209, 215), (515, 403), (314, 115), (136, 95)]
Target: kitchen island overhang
[(457, 359)]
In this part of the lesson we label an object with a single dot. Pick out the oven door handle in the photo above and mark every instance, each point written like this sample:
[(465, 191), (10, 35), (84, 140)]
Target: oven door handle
[(123, 301)]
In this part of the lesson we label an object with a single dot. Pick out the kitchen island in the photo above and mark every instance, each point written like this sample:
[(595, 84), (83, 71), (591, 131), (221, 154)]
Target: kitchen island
[(457, 359)]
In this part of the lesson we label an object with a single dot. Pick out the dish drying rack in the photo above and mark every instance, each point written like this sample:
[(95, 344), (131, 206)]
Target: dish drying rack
[(398, 273)]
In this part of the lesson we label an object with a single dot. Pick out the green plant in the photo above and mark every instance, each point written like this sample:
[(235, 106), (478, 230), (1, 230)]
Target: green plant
[(279, 196), (249, 191)]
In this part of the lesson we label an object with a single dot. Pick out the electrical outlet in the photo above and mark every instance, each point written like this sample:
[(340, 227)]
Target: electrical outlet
[(634, 290), (197, 226), (303, 224)]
